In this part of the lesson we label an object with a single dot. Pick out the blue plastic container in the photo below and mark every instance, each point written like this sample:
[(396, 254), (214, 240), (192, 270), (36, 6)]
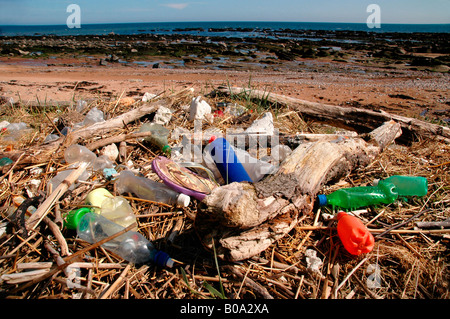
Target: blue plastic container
[(227, 162)]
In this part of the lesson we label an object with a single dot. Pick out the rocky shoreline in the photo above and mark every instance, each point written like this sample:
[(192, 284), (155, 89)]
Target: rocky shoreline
[(405, 73), (269, 50)]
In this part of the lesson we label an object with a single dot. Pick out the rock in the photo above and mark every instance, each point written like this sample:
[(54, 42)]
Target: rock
[(103, 62)]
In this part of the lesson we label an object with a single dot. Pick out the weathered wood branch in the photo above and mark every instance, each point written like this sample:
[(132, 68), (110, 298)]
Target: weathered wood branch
[(253, 216), (358, 119)]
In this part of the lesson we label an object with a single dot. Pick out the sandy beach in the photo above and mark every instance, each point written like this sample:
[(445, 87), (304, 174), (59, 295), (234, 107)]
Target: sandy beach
[(348, 76)]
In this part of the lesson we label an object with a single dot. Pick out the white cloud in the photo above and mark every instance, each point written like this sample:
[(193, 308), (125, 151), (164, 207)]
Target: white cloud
[(178, 6)]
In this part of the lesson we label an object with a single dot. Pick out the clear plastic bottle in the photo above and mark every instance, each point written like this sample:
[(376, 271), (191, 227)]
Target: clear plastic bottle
[(255, 168), (131, 246), (354, 235), (79, 153), (159, 136), (146, 188), (114, 208), (355, 197), (408, 185)]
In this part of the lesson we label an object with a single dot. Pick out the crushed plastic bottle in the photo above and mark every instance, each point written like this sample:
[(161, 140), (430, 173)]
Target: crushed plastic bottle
[(79, 153), (55, 181), (255, 168), (114, 208), (159, 136), (146, 188), (408, 185), (355, 197), (131, 246), (16, 130), (354, 235), (93, 116)]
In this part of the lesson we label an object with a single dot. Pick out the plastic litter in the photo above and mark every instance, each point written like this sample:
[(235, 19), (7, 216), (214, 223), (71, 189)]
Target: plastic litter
[(159, 137), (264, 125), (131, 246), (162, 116), (4, 124), (114, 208), (15, 131), (355, 197), (408, 185), (148, 96), (235, 109), (79, 153), (227, 162), (51, 137), (146, 188), (183, 180), (279, 152), (93, 116), (5, 161), (199, 109), (255, 168), (313, 262), (354, 235)]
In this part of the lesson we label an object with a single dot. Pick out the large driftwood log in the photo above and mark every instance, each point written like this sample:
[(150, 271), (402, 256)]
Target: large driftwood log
[(358, 119), (244, 219)]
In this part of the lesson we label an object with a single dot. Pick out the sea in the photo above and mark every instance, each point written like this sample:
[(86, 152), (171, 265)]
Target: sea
[(223, 29)]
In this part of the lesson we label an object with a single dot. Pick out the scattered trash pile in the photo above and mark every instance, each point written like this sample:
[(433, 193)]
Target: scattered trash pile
[(143, 198)]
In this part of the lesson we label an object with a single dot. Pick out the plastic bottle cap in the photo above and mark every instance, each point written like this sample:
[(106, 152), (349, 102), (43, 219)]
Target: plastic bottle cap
[(162, 259), (73, 218), (375, 182), (183, 200), (166, 149), (322, 199), (212, 139)]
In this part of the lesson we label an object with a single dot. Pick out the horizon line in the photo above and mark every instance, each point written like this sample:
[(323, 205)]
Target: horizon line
[(220, 21)]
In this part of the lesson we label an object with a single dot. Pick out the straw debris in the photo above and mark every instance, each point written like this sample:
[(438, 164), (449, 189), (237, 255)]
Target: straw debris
[(49, 261)]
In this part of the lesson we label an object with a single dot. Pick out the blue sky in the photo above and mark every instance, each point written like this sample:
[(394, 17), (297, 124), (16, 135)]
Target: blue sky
[(30, 12)]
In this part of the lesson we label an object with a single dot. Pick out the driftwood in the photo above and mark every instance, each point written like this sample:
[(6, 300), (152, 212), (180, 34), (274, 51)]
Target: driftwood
[(358, 119), (244, 219)]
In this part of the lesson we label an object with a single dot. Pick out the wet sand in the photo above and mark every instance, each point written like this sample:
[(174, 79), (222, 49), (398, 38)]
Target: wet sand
[(358, 80)]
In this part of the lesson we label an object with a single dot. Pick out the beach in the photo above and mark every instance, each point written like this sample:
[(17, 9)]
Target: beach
[(375, 73), (348, 108)]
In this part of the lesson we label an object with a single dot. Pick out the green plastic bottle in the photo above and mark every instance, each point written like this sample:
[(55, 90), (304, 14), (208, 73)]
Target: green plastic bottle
[(159, 136), (356, 197), (408, 185)]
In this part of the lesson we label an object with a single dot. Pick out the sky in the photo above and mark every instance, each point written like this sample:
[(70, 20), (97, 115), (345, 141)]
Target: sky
[(53, 12)]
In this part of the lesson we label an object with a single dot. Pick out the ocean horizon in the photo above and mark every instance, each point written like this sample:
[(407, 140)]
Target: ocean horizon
[(213, 28)]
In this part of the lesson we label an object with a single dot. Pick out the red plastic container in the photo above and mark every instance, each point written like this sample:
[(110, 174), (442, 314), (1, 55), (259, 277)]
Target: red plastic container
[(354, 235)]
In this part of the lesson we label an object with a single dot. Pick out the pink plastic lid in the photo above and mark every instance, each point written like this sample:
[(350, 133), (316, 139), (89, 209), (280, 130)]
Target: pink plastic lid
[(181, 179)]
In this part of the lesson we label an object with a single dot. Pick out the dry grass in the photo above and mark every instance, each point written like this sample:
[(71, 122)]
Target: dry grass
[(405, 263)]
